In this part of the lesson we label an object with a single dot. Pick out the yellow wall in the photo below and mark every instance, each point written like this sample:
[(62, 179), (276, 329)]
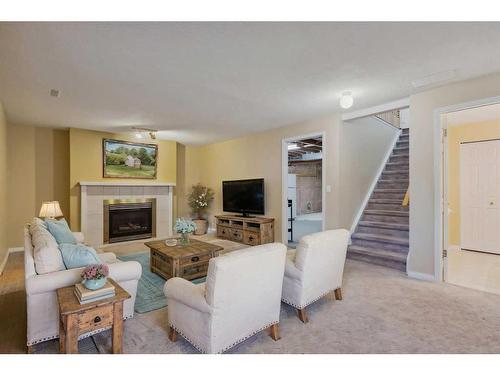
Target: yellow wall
[(259, 155), (457, 134), (3, 185), (188, 174), (38, 171), (86, 164)]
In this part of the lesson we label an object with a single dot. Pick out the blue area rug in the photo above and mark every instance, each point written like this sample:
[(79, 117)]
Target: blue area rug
[(150, 288)]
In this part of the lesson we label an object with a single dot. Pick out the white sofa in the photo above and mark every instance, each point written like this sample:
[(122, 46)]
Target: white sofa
[(314, 269), (41, 299), (241, 296)]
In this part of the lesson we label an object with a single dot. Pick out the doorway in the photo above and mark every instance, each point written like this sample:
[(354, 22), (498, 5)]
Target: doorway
[(471, 193), (304, 187)]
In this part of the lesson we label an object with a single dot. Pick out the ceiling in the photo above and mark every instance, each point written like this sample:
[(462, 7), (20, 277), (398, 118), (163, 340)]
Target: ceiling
[(204, 82), (474, 115)]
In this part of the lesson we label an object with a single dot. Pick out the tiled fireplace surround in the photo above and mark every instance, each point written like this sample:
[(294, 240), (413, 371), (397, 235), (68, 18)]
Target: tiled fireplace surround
[(93, 195)]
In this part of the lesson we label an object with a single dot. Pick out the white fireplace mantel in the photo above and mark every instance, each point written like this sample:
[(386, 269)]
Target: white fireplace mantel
[(119, 183), (94, 193)]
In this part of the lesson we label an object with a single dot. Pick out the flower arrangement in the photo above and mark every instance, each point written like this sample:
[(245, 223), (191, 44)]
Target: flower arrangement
[(184, 225), (95, 272), (199, 200)]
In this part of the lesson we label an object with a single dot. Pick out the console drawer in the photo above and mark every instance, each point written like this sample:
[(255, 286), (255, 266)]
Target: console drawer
[(223, 231), (251, 238), (236, 235)]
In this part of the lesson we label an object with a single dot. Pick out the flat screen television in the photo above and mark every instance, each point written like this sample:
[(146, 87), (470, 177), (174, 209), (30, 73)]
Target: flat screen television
[(243, 196)]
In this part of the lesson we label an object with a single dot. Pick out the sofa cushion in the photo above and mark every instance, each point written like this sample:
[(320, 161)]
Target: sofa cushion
[(46, 252), (78, 255), (61, 232)]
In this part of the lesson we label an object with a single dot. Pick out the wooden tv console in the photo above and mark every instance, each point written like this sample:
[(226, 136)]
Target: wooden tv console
[(248, 230)]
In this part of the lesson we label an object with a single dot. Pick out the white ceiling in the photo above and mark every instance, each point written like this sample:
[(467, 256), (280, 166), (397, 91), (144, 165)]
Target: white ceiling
[(203, 82), (474, 115)]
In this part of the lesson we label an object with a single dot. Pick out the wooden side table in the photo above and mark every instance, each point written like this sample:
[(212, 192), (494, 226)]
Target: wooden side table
[(76, 319)]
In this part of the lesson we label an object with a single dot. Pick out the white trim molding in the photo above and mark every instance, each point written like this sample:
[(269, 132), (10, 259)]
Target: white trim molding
[(119, 183), (440, 193), (397, 104), (6, 258), (284, 180), (421, 276), (374, 181)]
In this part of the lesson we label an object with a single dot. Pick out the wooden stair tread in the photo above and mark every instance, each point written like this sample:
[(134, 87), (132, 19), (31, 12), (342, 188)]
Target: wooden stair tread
[(381, 253), (384, 225), (381, 238), (387, 212)]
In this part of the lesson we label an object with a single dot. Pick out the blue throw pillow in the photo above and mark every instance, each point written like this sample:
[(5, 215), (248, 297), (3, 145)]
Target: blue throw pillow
[(75, 256), (61, 232)]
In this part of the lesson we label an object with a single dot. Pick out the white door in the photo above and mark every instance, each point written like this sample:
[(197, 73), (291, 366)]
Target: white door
[(479, 196)]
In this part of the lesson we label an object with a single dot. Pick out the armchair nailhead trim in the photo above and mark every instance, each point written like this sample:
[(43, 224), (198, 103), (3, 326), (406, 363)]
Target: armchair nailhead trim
[(307, 303), (227, 347)]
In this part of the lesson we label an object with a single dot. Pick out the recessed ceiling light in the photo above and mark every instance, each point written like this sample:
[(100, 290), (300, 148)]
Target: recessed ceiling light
[(346, 100), (55, 93)]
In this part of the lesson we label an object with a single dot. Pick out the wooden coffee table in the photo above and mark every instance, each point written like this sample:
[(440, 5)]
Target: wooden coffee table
[(187, 261), (76, 319)]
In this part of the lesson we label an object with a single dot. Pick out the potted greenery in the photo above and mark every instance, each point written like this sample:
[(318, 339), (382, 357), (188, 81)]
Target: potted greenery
[(199, 200)]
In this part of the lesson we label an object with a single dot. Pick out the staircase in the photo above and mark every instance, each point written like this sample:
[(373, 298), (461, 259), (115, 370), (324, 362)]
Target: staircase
[(382, 234)]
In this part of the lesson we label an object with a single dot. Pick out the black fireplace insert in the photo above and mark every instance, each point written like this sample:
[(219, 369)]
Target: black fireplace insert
[(128, 220)]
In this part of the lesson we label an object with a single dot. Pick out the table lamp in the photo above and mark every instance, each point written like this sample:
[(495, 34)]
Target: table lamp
[(50, 210)]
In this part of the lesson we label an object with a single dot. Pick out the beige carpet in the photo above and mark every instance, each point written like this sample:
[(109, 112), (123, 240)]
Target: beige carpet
[(383, 311)]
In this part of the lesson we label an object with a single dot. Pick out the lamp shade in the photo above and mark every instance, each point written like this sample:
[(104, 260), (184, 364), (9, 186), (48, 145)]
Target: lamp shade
[(50, 210)]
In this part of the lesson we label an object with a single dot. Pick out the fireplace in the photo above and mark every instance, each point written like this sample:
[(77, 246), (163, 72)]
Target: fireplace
[(129, 219)]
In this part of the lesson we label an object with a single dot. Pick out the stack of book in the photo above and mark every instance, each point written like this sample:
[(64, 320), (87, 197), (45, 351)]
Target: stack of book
[(85, 295)]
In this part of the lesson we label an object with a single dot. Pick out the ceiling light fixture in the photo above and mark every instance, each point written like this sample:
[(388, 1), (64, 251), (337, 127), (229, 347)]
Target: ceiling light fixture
[(346, 100), (141, 133)]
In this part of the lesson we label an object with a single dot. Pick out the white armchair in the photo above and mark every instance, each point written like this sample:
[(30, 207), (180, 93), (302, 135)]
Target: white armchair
[(242, 296), (314, 269), (41, 298)]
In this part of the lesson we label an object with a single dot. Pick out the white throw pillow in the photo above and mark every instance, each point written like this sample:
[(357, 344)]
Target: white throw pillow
[(46, 252)]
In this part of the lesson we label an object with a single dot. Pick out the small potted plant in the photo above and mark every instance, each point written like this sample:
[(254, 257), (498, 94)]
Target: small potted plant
[(185, 227), (199, 200), (94, 276)]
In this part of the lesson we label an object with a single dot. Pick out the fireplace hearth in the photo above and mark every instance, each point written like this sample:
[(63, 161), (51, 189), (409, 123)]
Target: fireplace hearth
[(129, 219)]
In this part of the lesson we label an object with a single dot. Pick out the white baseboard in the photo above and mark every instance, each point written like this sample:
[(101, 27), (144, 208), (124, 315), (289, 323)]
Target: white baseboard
[(9, 251), (374, 182), (421, 276)]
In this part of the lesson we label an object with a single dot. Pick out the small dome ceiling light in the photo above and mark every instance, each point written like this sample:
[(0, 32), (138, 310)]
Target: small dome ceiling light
[(346, 100)]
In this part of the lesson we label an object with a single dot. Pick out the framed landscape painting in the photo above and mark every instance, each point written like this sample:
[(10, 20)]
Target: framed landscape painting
[(128, 159)]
